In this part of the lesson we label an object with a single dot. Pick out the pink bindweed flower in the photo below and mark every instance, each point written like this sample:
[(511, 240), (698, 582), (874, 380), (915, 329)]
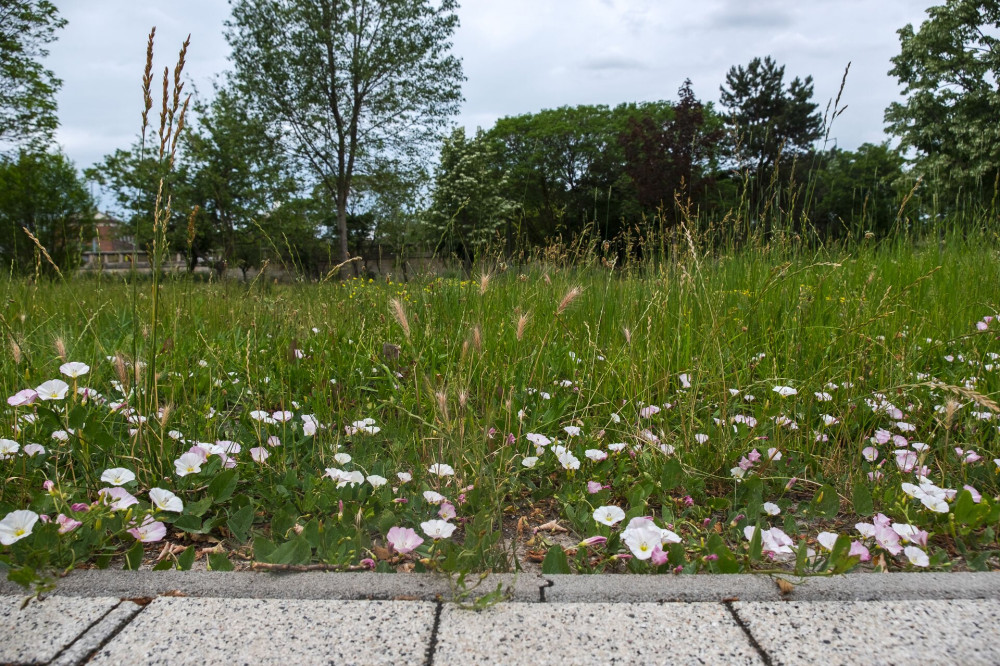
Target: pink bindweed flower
[(870, 453), (48, 485), (976, 496), (658, 558), (149, 531), (885, 536), (79, 507), (259, 454), (688, 500), (906, 460), (592, 542), (594, 487), (403, 540), (67, 524), (22, 398), (368, 563), (33, 449), (447, 511), (117, 498), (791, 483)]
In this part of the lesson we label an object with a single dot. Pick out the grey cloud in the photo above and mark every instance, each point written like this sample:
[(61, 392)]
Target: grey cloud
[(613, 62)]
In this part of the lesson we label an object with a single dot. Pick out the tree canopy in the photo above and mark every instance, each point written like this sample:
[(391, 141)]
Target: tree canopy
[(348, 84), (27, 89)]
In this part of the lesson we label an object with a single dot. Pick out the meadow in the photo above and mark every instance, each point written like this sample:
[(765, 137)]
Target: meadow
[(773, 408)]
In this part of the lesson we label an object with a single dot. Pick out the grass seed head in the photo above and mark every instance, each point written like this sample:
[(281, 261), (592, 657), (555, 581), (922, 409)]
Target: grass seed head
[(400, 314), (15, 352), (60, 349), (568, 299), (522, 323)]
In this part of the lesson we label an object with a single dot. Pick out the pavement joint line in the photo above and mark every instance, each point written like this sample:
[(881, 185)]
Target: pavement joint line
[(432, 643), (764, 656), (84, 632), (112, 634), (541, 589)]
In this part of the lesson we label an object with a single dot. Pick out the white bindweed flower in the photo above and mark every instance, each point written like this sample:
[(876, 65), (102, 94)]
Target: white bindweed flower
[(441, 469), (404, 477), (916, 556), (433, 497), (784, 391), (595, 454), (54, 389), (609, 515), (8, 448), (771, 509), (529, 462), (188, 463), (117, 476), (164, 500), (343, 458), (377, 481), (437, 529), (259, 454), (16, 525), (74, 369)]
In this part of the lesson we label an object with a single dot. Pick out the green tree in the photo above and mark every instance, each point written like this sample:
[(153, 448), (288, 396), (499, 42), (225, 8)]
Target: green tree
[(468, 208), (348, 82), (27, 89), (949, 70), (768, 119), (42, 193), (856, 191), (238, 172)]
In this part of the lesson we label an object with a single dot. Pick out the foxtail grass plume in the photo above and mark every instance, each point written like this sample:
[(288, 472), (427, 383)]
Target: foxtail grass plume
[(522, 323), (400, 314), (568, 299)]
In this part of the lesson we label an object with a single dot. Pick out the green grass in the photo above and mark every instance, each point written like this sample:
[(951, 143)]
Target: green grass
[(876, 319)]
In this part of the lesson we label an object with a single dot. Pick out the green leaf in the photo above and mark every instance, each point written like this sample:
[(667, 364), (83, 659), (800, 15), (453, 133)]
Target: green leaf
[(967, 512), (862, 500), (77, 417), (240, 522), (840, 560), (133, 557), (198, 508), (164, 564), (756, 544), (186, 559), (222, 486), (673, 474), (296, 551), (751, 494), (189, 524), (219, 562), (727, 561), (555, 561), (263, 548), (826, 502)]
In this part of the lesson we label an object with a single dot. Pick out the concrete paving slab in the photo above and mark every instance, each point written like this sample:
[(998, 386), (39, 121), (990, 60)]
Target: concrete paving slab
[(592, 633), (174, 630), (37, 633), (104, 629), (263, 585), (871, 632), (636, 588)]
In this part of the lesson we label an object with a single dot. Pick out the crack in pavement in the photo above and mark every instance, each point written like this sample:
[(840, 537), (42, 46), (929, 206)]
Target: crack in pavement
[(765, 657)]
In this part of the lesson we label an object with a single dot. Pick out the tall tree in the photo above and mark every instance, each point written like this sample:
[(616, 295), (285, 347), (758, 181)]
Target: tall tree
[(347, 82), (27, 89), (949, 70), (768, 119), (672, 156), (42, 193), (468, 208)]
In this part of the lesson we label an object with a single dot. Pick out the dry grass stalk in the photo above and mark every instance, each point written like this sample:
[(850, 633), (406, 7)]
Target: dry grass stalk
[(484, 283), (522, 323), (568, 299), (442, 404), (477, 338), (41, 248), (399, 312)]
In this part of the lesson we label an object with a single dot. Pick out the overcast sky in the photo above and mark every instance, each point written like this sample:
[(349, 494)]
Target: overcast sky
[(519, 56)]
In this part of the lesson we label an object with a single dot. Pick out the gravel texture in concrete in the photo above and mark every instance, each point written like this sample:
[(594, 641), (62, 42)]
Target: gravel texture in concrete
[(869, 632), (597, 633), (200, 631), (37, 633)]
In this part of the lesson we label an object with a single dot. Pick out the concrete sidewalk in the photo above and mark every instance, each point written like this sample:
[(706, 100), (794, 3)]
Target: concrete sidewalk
[(105, 617)]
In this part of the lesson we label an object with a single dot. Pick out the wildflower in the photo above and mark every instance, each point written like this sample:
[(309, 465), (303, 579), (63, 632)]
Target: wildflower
[(67, 524), (282, 416), (905, 460), (117, 476), (619, 446), (700, 438), (771, 509), (538, 440), (594, 487), (885, 536), (22, 398), (870, 453), (774, 542), (737, 473), (8, 448), (609, 515), (830, 420), (784, 391), (54, 389), (568, 460), (164, 500), (595, 454), (572, 431), (441, 469), (529, 461), (648, 411), (188, 463), (404, 477), (74, 369), (16, 525), (150, 530), (343, 458), (437, 529), (377, 481), (117, 498), (259, 454), (433, 497), (827, 539), (685, 380), (976, 496), (447, 511), (910, 534), (642, 540), (823, 396), (858, 550), (33, 449), (273, 441), (616, 418), (916, 556), (403, 540), (882, 436)]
